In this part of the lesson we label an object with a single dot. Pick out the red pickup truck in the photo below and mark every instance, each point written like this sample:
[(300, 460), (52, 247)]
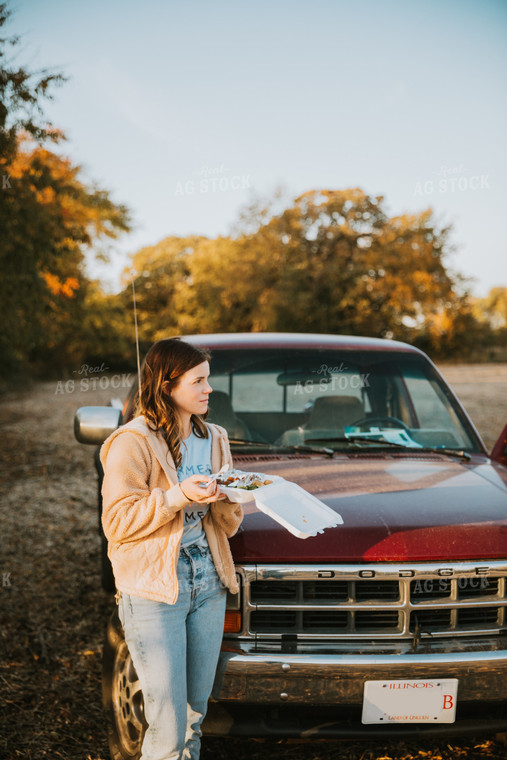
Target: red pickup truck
[(390, 624)]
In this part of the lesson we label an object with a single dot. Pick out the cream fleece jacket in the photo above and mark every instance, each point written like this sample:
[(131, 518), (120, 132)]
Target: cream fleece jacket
[(142, 512)]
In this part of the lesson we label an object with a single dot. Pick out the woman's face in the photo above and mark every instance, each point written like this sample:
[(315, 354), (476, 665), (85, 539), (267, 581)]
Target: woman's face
[(192, 392)]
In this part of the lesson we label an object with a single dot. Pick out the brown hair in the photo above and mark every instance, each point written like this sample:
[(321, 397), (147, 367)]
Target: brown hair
[(169, 359)]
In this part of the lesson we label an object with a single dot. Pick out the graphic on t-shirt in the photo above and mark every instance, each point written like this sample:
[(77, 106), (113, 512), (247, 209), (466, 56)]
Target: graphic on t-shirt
[(191, 515), (196, 453), (185, 470)]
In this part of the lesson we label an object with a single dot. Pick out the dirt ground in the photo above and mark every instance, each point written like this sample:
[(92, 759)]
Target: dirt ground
[(53, 610), (482, 389)]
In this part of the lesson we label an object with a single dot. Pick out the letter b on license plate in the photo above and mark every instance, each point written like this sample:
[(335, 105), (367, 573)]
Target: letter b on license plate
[(410, 701)]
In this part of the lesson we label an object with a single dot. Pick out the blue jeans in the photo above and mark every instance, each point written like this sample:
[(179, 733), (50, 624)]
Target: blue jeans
[(175, 650)]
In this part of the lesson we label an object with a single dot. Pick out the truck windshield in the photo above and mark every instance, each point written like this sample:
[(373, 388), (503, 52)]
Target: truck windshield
[(287, 397)]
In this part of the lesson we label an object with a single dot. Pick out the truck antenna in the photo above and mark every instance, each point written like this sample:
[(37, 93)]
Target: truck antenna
[(137, 335)]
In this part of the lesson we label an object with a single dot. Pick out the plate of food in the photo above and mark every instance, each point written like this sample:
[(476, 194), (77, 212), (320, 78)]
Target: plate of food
[(301, 513), (239, 486)]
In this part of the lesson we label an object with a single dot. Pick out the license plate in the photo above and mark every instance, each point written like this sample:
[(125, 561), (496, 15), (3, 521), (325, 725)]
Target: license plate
[(410, 701)]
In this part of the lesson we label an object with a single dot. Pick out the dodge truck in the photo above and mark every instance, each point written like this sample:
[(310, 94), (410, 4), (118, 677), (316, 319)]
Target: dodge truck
[(388, 625)]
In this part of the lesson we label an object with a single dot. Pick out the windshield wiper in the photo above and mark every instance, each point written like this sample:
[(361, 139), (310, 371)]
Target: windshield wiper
[(285, 448), (448, 452), (357, 440)]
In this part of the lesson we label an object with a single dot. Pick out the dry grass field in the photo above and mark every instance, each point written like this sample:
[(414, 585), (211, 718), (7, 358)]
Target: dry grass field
[(53, 610), (482, 389)]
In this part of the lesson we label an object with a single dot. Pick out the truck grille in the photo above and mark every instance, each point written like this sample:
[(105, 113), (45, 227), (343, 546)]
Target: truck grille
[(381, 601)]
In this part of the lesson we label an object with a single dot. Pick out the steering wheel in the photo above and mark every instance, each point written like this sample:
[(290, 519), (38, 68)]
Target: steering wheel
[(389, 420)]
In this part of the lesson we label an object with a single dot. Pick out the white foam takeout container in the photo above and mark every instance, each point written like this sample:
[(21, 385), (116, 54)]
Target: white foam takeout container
[(301, 513)]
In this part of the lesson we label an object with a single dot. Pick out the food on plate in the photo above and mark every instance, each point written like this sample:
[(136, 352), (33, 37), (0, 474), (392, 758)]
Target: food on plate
[(239, 479)]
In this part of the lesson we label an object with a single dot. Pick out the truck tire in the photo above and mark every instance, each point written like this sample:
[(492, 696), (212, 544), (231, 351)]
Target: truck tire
[(122, 697)]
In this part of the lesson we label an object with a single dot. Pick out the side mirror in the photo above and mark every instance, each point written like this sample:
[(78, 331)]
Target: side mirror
[(499, 453), (93, 424)]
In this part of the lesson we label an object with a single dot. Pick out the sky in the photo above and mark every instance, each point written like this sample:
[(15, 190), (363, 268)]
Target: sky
[(187, 111)]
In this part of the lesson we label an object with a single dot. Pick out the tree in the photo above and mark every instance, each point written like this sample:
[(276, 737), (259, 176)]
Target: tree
[(20, 94), (159, 273), (493, 308), (49, 217), (331, 261), (340, 264), (106, 334), (491, 315)]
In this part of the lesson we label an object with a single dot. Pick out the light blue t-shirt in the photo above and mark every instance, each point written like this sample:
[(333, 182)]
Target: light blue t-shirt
[(196, 454)]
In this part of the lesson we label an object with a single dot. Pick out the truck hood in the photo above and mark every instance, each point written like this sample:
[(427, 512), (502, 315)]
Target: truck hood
[(394, 508)]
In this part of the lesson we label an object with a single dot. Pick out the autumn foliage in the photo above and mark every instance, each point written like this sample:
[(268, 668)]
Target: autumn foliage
[(329, 261), (50, 218), (332, 261)]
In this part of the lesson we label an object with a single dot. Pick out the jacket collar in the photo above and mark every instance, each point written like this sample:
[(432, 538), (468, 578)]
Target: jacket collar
[(158, 445)]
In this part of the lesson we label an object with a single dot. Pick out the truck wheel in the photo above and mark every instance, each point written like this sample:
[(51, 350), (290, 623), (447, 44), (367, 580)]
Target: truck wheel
[(122, 697)]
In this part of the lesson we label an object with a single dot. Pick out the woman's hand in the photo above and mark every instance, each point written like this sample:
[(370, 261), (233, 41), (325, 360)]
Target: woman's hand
[(194, 492)]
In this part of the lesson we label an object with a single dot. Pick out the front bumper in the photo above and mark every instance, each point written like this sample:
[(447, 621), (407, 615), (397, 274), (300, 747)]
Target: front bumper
[(320, 695), (322, 679)]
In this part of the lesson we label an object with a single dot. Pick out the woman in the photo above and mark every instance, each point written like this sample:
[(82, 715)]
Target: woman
[(168, 543)]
